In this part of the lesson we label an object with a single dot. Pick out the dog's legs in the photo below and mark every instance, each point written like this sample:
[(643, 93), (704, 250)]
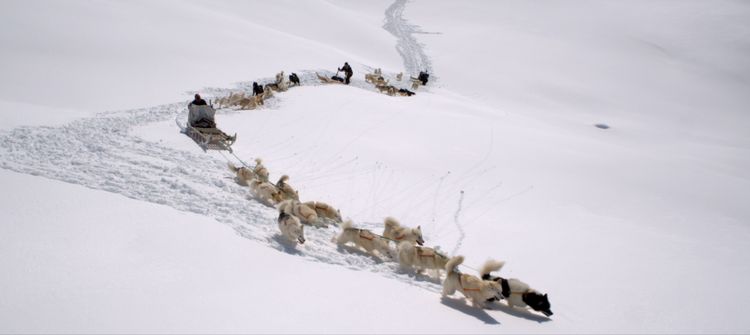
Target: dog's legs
[(448, 288)]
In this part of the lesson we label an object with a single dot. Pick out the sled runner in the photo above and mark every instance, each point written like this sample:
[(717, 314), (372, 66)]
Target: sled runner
[(201, 128)]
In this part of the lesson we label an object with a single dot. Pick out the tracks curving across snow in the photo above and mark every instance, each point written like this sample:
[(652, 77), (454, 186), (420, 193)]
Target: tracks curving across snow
[(415, 58)]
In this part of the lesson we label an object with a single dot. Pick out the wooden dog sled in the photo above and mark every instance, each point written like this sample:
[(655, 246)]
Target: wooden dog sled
[(208, 138)]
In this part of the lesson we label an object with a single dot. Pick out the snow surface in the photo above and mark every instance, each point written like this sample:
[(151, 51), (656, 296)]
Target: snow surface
[(641, 227)]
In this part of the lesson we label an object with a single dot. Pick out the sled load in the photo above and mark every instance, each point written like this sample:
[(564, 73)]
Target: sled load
[(333, 80), (201, 127)]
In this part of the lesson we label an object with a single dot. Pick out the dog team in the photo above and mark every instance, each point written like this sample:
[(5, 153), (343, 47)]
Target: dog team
[(398, 243)]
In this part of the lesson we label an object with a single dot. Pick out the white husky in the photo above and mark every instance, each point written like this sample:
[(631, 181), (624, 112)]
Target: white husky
[(394, 231), (291, 228), (364, 239), (421, 258), (474, 288), (299, 210)]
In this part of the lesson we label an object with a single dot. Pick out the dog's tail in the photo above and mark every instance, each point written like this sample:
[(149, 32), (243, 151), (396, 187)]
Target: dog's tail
[(232, 167), (391, 223), (347, 224), (489, 266), (338, 239), (453, 263)]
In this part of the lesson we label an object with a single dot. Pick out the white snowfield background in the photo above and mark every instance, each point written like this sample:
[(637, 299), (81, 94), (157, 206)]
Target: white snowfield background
[(113, 221)]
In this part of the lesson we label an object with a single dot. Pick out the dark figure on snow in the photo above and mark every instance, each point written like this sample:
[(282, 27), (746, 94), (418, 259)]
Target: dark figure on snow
[(347, 71), (198, 101), (203, 120), (294, 79), (423, 76), (257, 89)]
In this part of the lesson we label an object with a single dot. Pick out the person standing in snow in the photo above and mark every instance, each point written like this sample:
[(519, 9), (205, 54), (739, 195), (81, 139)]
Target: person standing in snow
[(347, 71)]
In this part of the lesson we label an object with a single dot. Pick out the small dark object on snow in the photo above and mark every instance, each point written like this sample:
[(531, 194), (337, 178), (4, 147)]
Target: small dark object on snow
[(403, 90), (601, 126), (338, 78), (257, 89), (423, 77), (294, 79)]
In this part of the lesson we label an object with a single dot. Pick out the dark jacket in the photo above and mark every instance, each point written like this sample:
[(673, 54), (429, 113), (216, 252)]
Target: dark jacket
[(347, 70), (198, 102)]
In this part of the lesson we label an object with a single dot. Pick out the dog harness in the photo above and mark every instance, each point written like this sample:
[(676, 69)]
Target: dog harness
[(460, 282), (503, 284), (422, 252)]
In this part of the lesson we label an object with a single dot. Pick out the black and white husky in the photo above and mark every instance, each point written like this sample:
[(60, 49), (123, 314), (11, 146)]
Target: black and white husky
[(514, 291)]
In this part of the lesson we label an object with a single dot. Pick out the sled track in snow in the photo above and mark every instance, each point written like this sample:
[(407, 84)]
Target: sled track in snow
[(100, 153), (415, 58)]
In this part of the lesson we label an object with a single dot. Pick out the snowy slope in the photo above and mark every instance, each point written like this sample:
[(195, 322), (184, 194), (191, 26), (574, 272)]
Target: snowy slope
[(637, 228)]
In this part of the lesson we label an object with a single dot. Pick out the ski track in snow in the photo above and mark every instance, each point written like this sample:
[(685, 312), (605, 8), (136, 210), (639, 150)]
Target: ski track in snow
[(100, 153), (461, 233), (415, 58)]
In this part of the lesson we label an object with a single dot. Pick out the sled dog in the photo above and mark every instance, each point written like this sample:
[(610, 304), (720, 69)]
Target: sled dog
[(399, 76), (260, 170), (325, 211), (390, 90), (287, 191), (478, 291), (267, 93), (364, 239), (243, 175), (299, 210), (515, 292), (265, 191), (421, 258), (394, 231), (415, 83), (291, 228)]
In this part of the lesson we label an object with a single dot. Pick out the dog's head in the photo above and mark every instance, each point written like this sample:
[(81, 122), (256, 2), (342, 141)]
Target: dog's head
[(538, 302), (418, 233)]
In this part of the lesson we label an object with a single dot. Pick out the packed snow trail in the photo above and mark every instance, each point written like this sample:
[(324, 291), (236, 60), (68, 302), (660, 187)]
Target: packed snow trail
[(415, 58), (100, 153)]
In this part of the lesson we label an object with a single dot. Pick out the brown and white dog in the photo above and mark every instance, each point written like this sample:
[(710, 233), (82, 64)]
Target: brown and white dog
[(299, 210), (291, 228), (387, 89), (325, 211), (478, 291), (421, 258), (286, 190), (260, 170), (243, 175), (394, 231), (364, 239), (265, 191), (516, 292)]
